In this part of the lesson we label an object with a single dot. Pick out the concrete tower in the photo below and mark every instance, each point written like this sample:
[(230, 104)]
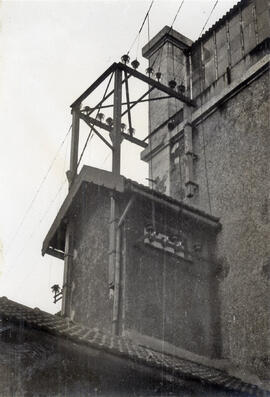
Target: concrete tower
[(216, 157)]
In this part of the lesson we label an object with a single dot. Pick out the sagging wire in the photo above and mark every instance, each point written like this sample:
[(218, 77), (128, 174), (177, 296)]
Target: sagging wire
[(37, 191), (31, 235), (209, 16), (159, 55), (140, 30)]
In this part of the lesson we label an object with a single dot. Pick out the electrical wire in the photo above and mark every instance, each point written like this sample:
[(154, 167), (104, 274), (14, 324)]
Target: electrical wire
[(29, 238), (177, 13), (37, 192), (58, 191), (43, 216), (159, 55), (209, 16), (142, 25)]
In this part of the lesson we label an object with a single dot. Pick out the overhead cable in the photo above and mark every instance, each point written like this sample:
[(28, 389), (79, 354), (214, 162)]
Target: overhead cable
[(142, 25), (211, 12), (176, 15), (36, 227), (37, 191), (159, 55)]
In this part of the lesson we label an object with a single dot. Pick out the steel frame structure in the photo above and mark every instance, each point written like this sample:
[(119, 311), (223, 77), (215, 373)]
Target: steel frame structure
[(122, 73)]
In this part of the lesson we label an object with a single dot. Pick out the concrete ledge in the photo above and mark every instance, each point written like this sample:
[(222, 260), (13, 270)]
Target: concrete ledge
[(211, 106), (254, 72), (87, 174), (165, 35)]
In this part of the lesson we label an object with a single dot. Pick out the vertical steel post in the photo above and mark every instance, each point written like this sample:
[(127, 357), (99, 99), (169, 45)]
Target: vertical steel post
[(65, 310), (71, 174), (112, 242), (117, 275), (116, 133), (116, 167), (74, 149)]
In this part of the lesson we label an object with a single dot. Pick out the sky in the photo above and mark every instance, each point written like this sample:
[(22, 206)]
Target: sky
[(51, 51)]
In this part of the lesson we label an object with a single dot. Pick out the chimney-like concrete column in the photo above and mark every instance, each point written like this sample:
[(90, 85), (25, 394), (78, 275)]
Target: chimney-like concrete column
[(167, 54)]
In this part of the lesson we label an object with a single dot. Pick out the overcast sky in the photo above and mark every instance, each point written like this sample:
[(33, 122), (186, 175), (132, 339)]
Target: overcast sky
[(51, 51)]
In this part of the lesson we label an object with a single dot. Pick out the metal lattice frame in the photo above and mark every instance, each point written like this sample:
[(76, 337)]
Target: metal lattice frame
[(122, 74)]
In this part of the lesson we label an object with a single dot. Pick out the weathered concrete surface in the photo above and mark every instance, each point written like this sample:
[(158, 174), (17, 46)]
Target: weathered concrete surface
[(237, 165), (90, 303), (166, 56), (232, 145), (167, 297), (161, 294), (228, 45)]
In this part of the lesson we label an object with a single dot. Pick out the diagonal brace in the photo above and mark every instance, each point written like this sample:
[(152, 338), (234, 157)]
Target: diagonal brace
[(157, 84), (89, 123), (139, 100), (105, 127), (128, 103)]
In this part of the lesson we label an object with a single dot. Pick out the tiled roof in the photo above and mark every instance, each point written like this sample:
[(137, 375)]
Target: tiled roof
[(123, 347)]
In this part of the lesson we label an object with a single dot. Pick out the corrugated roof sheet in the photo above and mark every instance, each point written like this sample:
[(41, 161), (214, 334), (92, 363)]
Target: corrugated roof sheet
[(123, 347)]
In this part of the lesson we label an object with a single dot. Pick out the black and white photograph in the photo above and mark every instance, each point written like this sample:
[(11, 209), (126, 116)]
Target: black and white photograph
[(135, 198)]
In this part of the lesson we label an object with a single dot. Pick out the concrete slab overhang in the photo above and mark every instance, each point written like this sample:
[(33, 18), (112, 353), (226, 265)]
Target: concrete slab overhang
[(54, 242), (167, 34)]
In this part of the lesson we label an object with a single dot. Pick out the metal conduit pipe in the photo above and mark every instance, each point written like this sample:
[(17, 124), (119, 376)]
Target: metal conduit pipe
[(117, 272)]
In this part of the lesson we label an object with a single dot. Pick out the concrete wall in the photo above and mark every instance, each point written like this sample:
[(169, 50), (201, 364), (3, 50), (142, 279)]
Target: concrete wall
[(227, 48), (162, 295), (232, 145), (169, 59), (237, 166), (167, 297), (90, 303)]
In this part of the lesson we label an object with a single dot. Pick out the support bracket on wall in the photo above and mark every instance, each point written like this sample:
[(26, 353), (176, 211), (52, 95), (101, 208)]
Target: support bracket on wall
[(190, 156)]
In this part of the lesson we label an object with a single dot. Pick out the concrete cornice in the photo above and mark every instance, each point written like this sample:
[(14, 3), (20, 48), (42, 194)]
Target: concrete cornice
[(212, 105), (166, 35)]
